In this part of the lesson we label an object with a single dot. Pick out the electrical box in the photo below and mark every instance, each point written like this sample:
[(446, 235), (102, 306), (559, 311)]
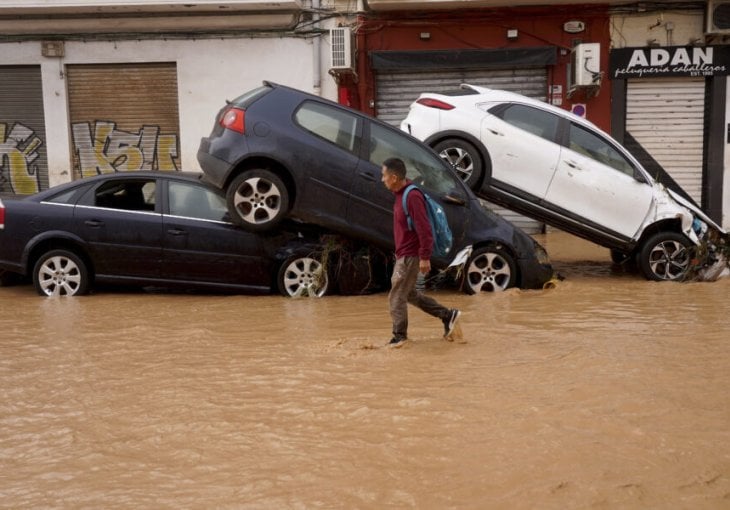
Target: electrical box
[(586, 64), (341, 48)]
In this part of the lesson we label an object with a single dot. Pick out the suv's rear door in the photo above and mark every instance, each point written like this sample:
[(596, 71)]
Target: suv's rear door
[(522, 147)]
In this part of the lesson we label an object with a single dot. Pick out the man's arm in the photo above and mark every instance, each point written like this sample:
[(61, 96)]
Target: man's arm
[(422, 226)]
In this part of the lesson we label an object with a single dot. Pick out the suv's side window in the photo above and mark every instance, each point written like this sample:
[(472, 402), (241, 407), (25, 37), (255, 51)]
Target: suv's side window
[(332, 124), (589, 144), (422, 166), (532, 120)]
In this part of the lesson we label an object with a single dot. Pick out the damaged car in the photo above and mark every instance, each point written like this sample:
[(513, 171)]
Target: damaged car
[(281, 153), (164, 230), (558, 168)]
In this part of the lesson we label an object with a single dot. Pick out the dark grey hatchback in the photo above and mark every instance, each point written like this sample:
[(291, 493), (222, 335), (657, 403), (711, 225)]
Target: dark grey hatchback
[(280, 152)]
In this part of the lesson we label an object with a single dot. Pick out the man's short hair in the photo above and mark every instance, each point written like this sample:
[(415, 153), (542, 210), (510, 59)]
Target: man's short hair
[(396, 166)]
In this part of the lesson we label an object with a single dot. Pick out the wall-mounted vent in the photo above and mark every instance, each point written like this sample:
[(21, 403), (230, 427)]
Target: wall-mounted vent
[(341, 48), (717, 17), (586, 64)]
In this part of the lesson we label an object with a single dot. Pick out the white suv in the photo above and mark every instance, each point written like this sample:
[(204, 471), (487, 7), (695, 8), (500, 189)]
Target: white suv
[(549, 164)]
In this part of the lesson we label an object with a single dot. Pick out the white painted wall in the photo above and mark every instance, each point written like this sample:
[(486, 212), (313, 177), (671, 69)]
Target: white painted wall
[(209, 72)]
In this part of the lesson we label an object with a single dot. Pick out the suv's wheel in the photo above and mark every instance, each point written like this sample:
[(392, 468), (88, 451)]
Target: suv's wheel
[(464, 158), (303, 275), (665, 256), (257, 200), (61, 273), (490, 269)]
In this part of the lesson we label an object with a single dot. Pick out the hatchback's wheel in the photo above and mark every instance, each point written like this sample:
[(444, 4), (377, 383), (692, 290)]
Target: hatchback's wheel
[(490, 269), (303, 275), (61, 273), (464, 158), (257, 200), (665, 256)]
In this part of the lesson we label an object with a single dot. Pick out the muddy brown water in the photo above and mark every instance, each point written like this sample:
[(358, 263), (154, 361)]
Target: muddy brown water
[(606, 392)]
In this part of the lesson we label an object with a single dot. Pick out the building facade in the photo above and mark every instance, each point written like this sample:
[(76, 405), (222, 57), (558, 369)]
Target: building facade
[(113, 85)]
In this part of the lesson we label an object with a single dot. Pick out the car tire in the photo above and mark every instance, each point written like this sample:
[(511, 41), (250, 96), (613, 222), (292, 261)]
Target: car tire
[(490, 269), (464, 158), (61, 273), (665, 256), (303, 275), (257, 200)]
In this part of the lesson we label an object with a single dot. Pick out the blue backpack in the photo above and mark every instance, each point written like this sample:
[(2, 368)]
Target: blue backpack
[(442, 237)]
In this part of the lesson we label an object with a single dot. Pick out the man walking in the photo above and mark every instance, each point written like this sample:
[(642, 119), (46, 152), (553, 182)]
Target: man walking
[(413, 255)]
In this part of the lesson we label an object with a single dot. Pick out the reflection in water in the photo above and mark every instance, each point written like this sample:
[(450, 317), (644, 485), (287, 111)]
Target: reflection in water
[(608, 391)]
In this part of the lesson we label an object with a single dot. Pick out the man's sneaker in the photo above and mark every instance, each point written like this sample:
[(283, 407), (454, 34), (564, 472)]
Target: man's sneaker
[(450, 321), (397, 341)]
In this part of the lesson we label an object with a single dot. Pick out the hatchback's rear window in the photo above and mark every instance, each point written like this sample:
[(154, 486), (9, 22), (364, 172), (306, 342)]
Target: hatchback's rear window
[(249, 97)]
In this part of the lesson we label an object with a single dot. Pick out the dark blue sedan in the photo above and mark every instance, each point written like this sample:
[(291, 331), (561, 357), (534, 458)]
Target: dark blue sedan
[(164, 229)]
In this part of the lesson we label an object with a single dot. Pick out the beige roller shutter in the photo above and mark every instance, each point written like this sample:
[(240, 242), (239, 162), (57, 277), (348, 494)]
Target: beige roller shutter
[(397, 90), (23, 157), (666, 116), (124, 117)]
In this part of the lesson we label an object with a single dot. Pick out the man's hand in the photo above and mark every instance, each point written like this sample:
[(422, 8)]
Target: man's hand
[(424, 266)]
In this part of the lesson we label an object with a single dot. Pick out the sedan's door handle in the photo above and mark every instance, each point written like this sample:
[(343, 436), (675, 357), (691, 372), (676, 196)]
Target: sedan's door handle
[(572, 164), (177, 232), (494, 132), (94, 223)]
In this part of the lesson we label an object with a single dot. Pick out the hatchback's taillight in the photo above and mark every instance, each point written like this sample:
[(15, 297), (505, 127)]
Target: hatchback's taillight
[(234, 119), (435, 103), (2, 215)]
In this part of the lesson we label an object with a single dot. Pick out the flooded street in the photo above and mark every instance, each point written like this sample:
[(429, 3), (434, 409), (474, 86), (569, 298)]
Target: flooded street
[(608, 391)]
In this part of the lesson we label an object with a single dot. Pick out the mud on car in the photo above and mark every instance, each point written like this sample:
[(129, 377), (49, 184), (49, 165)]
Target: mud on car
[(553, 166), (279, 153)]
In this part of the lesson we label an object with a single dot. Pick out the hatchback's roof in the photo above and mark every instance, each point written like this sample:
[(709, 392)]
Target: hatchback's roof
[(485, 94)]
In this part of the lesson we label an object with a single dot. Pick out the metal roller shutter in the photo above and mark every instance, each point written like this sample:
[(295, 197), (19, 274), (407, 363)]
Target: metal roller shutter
[(23, 157), (397, 90), (666, 116), (124, 117)]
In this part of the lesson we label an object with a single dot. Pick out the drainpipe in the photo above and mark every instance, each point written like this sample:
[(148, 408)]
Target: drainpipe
[(316, 49)]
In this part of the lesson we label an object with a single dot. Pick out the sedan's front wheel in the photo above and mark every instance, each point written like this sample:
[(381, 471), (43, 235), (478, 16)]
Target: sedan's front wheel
[(257, 200), (490, 269), (303, 275), (61, 273), (665, 256)]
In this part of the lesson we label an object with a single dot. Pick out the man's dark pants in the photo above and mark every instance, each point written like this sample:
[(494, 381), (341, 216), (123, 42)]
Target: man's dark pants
[(403, 291)]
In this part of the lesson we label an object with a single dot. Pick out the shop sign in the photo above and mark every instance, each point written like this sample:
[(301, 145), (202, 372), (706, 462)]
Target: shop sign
[(660, 62)]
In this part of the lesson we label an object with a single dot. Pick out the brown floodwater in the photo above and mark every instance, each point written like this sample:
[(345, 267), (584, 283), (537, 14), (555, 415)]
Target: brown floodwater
[(607, 391)]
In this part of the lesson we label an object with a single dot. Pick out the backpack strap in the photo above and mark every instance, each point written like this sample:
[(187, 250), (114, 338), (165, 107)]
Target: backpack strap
[(409, 220)]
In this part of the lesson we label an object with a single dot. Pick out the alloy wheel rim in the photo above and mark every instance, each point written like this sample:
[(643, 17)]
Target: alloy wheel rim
[(488, 272), (669, 260), (59, 276), (257, 200), (459, 160), (305, 277)]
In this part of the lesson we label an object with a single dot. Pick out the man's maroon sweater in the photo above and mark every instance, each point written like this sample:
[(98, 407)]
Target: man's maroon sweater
[(419, 241)]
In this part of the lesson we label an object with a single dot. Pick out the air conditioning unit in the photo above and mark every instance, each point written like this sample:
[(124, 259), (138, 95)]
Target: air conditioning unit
[(586, 65), (717, 17), (341, 48)]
